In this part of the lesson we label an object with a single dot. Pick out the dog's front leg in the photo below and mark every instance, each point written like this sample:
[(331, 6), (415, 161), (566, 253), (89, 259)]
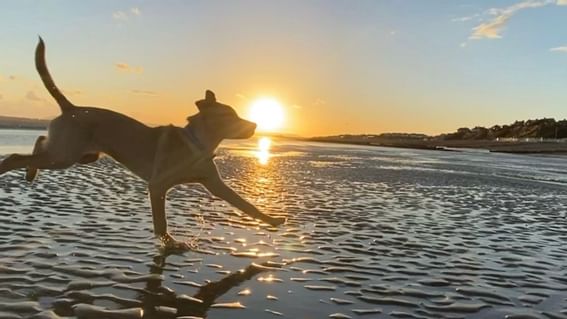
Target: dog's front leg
[(157, 198), (218, 188)]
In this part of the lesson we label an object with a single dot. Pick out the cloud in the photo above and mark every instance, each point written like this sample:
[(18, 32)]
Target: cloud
[(126, 68), (562, 2), (119, 15), (144, 92), (73, 92), (122, 66), (493, 28), (462, 19), (490, 30), (125, 15), (562, 49), (319, 102), (33, 97), (465, 19)]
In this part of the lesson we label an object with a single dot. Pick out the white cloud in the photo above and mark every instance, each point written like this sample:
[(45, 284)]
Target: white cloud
[(562, 49), (120, 15), (465, 19), (462, 19), (493, 28), (124, 15)]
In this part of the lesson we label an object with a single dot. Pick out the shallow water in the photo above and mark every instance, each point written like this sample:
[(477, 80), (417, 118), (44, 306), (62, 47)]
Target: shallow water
[(372, 233)]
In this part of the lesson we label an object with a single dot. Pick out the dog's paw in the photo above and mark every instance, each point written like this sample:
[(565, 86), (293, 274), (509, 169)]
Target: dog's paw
[(178, 246), (31, 174), (276, 221), (172, 244)]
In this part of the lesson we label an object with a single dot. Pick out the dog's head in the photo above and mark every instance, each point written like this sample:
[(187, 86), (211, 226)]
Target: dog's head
[(222, 119)]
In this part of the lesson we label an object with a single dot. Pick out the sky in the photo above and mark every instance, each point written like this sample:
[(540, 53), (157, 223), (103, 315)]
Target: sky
[(336, 66)]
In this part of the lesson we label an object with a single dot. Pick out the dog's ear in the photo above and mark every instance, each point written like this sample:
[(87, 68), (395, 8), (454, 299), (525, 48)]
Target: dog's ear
[(210, 99), (210, 96)]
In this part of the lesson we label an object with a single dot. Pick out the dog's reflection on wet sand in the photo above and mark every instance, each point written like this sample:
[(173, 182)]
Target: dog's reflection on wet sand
[(158, 301)]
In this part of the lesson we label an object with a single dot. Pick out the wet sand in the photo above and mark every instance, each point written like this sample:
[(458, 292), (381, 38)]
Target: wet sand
[(372, 233), (554, 147)]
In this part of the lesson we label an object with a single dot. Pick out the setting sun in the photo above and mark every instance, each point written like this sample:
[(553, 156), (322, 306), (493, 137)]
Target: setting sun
[(267, 113)]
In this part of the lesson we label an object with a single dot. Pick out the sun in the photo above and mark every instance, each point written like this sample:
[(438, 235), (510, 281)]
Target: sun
[(268, 113)]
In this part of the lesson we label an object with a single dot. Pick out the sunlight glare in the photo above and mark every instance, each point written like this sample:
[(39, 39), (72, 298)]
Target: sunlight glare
[(263, 152), (267, 113)]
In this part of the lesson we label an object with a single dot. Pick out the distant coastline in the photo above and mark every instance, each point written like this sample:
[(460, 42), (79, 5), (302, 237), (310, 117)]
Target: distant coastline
[(20, 123), (545, 136), (556, 147), (540, 136)]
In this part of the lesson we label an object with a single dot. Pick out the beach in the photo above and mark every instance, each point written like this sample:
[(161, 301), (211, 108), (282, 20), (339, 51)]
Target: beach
[(510, 146), (372, 232)]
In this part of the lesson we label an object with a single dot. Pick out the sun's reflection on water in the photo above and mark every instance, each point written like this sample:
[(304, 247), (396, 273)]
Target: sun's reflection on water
[(263, 153)]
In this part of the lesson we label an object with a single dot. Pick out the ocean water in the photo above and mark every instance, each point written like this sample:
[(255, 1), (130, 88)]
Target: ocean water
[(372, 233), (18, 141)]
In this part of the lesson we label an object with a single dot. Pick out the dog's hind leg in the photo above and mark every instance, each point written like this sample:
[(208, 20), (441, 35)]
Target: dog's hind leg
[(31, 172), (41, 160)]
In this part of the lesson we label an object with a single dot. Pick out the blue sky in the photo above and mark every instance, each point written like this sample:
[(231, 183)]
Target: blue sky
[(337, 66)]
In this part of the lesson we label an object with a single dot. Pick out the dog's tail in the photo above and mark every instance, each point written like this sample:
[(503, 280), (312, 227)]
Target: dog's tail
[(41, 68)]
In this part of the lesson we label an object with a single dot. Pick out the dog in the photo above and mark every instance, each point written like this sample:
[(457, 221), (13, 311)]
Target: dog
[(163, 156)]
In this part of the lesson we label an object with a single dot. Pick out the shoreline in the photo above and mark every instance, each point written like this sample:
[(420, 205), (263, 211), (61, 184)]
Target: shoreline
[(490, 146), (23, 128), (549, 147), (21, 123)]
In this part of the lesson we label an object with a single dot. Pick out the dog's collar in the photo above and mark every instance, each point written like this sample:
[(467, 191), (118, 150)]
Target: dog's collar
[(192, 136)]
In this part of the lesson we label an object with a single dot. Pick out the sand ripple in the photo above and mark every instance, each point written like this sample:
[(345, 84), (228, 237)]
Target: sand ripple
[(372, 233)]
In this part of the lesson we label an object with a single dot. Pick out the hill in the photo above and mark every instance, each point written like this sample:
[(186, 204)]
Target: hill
[(539, 128), (531, 136), (8, 122)]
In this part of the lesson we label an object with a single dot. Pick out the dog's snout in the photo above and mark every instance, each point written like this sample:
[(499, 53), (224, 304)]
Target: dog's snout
[(250, 124)]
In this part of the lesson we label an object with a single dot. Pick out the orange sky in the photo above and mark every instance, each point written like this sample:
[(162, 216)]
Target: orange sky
[(337, 67)]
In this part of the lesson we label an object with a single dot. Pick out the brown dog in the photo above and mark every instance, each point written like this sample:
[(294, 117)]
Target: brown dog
[(164, 156)]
